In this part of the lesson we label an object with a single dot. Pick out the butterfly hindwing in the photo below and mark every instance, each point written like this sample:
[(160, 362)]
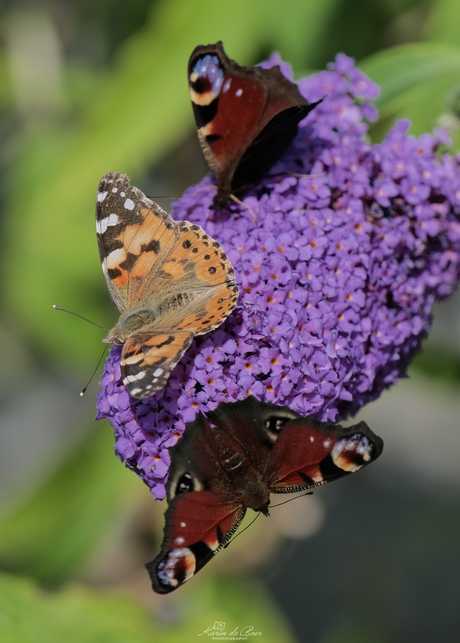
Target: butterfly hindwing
[(197, 525), (147, 360), (199, 272), (253, 424), (264, 151), (169, 280)]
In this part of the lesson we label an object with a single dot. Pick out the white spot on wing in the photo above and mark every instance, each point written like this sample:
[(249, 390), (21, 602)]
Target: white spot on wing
[(103, 224), (343, 451), (238, 92), (115, 258), (134, 378), (158, 372), (184, 559), (101, 196), (129, 204)]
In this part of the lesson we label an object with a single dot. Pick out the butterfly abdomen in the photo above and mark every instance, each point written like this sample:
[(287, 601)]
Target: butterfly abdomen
[(176, 302)]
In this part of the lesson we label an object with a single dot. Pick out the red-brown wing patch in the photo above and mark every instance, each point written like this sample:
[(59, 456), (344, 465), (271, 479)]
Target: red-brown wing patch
[(235, 108), (308, 453), (198, 524), (237, 121)]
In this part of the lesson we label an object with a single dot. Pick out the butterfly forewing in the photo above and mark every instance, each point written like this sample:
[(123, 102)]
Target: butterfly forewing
[(195, 464), (134, 237), (198, 524), (308, 453)]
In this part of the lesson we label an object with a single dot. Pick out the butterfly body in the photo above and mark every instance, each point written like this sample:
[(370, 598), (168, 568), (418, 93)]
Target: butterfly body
[(233, 460), (233, 472), (245, 117), (169, 281)]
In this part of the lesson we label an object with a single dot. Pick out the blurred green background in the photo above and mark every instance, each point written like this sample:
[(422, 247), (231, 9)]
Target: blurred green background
[(90, 87)]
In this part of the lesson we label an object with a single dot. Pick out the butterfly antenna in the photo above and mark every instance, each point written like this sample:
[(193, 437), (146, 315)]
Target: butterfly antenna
[(83, 391), (159, 196), (80, 316), (205, 187), (307, 493), (242, 531), (235, 199), (306, 176), (297, 175)]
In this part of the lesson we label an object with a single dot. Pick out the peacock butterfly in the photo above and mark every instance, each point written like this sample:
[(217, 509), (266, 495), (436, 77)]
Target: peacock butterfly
[(245, 116), (232, 460)]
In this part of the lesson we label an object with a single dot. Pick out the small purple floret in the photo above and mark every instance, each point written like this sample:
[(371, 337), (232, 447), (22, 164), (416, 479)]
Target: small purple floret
[(337, 278)]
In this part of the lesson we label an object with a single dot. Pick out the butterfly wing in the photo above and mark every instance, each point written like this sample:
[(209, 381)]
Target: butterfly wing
[(292, 452), (202, 514), (232, 105), (268, 146), (308, 453), (134, 237), (193, 292), (198, 524), (147, 360), (196, 282)]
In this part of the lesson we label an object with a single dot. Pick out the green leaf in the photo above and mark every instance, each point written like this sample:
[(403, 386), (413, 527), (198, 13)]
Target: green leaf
[(418, 82), (438, 361), (443, 22), (79, 615), (407, 66), (51, 532)]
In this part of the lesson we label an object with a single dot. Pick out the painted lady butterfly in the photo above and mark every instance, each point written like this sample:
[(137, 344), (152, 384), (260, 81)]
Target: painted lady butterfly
[(169, 281)]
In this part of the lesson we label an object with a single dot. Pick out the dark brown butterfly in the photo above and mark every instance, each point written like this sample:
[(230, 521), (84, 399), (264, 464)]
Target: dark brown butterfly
[(232, 460), (246, 117)]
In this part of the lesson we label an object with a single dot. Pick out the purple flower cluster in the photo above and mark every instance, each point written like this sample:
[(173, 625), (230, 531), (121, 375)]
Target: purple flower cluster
[(353, 244)]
